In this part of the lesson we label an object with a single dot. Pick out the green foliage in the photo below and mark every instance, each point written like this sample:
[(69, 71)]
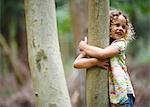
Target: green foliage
[(64, 24), (60, 3), (141, 5), (11, 8), (10, 11), (65, 35), (63, 19)]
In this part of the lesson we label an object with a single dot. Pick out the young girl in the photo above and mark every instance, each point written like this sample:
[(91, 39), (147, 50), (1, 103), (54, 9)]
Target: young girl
[(121, 91)]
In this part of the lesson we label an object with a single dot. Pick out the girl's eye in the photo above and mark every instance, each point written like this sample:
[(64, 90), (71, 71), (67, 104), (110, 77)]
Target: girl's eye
[(117, 25), (123, 26)]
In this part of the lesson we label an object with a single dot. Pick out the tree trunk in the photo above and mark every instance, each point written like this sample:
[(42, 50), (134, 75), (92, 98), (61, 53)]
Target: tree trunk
[(13, 60), (79, 8), (79, 19), (98, 35), (44, 56)]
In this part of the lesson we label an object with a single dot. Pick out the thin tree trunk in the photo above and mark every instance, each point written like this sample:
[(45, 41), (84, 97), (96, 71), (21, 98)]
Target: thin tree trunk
[(44, 56), (79, 19), (98, 35), (79, 13), (13, 61)]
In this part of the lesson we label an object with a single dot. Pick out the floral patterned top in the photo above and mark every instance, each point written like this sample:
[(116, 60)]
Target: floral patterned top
[(119, 80)]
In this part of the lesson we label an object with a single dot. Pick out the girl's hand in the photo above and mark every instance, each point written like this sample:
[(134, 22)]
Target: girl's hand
[(82, 43), (85, 40), (82, 52), (103, 63)]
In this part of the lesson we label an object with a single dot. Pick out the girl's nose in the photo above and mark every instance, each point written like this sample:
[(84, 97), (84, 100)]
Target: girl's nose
[(120, 28)]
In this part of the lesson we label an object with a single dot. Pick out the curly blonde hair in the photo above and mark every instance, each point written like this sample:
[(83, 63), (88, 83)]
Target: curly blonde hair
[(114, 14)]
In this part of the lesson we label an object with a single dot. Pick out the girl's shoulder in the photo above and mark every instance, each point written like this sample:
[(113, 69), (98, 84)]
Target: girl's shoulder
[(121, 44), (120, 41)]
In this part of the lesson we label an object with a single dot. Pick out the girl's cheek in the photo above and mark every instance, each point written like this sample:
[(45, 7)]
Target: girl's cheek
[(126, 31)]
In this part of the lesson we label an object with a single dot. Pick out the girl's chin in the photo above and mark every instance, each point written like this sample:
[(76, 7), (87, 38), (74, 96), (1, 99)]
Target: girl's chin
[(118, 36)]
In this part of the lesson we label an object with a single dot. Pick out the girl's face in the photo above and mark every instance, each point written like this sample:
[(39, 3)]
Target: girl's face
[(119, 27)]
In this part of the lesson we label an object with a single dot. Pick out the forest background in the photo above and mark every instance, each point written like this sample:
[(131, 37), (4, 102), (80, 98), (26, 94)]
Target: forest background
[(15, 79)]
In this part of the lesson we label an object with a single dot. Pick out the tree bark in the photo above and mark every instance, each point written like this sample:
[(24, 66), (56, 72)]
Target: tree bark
[(79, 13), (98, 35), (44, 55)]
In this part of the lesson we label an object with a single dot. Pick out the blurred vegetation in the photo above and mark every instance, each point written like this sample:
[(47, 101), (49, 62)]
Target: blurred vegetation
[(65, 34), (13, 54)]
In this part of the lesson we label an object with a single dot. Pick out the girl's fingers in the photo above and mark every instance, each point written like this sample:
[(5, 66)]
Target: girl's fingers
[(106, 64), (105, 67), (82, 52), (85, 39)]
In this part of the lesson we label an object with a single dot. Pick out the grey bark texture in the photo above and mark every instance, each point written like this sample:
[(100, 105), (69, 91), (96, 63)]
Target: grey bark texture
[(44, 57), (98, 35)]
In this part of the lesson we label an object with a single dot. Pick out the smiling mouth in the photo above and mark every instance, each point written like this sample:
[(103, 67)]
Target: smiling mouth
[(119, 33)]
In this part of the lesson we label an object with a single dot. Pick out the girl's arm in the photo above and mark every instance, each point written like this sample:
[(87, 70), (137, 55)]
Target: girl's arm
[(82, 62), (97, 52)]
